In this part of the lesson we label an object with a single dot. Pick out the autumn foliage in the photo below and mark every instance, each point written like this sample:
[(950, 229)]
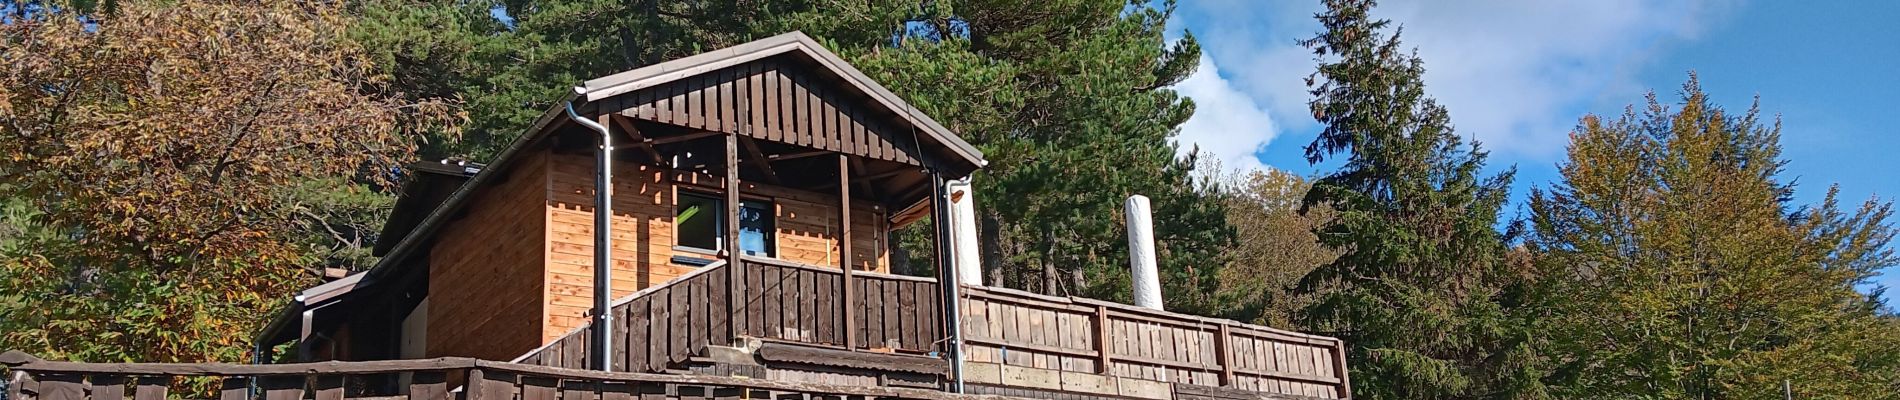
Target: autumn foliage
[(153, 150)]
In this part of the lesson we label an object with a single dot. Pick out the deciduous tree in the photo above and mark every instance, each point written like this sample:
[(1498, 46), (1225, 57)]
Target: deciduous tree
[(168, 148), (1681, 268)]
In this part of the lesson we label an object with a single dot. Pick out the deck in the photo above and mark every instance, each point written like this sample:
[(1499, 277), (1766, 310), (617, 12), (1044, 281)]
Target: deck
[(799, 323)]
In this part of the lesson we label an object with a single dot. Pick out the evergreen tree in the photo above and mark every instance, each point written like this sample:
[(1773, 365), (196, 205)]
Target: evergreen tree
[(1421, 291), (1682, 270)]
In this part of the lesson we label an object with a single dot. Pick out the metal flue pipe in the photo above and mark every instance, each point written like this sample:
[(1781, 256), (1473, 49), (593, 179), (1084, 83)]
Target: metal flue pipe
[(1141, 253), (598, 346)]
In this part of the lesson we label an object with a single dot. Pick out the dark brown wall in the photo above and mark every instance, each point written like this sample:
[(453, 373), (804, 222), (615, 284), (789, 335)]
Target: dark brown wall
[(485, 270)]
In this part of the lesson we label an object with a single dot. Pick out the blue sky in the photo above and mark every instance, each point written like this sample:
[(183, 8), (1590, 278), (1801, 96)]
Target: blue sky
[(1517, 75)]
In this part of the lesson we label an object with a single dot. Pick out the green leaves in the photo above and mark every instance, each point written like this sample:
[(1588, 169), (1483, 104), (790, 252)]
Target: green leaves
[(1679, 266)]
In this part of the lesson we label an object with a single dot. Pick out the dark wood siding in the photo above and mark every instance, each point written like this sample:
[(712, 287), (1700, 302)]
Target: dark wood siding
[(485, 280), (775, 101)]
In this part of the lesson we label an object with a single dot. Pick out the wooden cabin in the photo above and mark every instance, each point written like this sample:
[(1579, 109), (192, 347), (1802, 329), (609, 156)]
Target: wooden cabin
[(753, 192)]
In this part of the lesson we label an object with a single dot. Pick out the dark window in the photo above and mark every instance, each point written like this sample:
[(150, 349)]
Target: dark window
[(696, 222), (699, 222)]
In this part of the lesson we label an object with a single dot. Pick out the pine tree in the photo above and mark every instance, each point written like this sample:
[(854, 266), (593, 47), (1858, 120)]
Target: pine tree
[(1420, 292), (1682, 269)]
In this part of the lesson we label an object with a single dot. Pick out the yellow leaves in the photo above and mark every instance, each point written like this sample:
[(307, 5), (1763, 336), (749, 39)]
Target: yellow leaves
[(169, 135)]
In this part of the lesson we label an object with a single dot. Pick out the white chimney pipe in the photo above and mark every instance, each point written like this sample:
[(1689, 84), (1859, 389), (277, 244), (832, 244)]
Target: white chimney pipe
[(963, 232), (1141, 253)]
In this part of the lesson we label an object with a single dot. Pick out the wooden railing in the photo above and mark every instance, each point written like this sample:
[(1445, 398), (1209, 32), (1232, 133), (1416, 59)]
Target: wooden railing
[(662, 326), (805, 304), (429, 379), (1021, 329), (654, 327)]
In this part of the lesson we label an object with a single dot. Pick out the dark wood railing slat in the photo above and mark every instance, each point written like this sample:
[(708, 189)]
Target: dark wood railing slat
[(427, 385), (107, 387), (62, 387), (329, 387), (235, 388), (151, 387), (287, 387)]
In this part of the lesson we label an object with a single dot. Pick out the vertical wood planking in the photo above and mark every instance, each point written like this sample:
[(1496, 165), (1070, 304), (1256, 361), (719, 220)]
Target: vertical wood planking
[(774, 300), (62, 387), (678, 298), (427, 385), (659, 336), (232, 388), (112, 387), (152, 388), (539, 388), (328, 387)]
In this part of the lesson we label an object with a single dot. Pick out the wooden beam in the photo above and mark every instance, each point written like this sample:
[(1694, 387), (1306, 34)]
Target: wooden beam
[(758, 159), (790, 156), (639, 140), (844, 250), (885, 174), (735, 291), (772, 351), (864, 184), (682, 138)]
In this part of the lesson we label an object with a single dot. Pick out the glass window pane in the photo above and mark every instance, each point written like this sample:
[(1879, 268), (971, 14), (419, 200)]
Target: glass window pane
[(756, 234), (696, 222)]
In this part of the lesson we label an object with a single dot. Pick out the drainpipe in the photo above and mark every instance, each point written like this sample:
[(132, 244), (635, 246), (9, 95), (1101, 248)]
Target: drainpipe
[(599, 346), (947, 276)]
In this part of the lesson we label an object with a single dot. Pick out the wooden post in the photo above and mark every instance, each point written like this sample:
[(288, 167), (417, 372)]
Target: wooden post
[(844, 251), (1102, 359), (1224, 344), (1339, 367), (734, 289)]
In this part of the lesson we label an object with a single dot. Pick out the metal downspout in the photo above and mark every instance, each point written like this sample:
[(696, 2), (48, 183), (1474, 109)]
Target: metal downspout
[(599, 347), (947, 276)]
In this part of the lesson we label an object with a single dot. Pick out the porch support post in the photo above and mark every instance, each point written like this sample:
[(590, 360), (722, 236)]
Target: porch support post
[(844, 252), (735, 290)]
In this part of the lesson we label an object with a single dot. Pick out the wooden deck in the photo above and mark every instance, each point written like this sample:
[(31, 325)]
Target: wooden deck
[(1015, 343)]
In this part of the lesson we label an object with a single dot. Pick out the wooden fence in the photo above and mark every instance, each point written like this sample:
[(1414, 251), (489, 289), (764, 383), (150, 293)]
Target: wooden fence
[(1022, 329), (428, 379), (667, 324)]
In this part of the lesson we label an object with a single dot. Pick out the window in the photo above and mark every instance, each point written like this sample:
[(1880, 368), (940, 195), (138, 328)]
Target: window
[(696, 222), (699, 222), (756, 236)]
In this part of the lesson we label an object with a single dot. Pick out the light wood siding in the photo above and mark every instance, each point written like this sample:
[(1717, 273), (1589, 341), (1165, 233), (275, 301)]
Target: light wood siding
[(644, 200), (485, 281), (776, 101)]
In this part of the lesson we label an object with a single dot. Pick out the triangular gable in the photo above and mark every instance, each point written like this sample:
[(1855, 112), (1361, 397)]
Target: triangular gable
[(786, 89)]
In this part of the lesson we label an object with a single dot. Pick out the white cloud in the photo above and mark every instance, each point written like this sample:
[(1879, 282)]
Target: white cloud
[(1227, 124), (1515, 75)]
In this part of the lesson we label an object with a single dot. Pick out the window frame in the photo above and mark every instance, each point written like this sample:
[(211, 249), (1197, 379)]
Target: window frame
[(720, 220)]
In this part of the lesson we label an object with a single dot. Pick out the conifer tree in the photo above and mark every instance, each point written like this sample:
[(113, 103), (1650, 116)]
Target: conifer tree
[(1681, 269), (1419, 292)]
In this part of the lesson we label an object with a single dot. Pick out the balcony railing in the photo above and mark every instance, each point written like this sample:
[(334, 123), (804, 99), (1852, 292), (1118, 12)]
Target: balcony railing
[(1011, 338)]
